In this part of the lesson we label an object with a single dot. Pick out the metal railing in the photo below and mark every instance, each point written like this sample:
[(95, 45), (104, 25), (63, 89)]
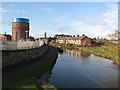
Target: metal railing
[(20, 45)]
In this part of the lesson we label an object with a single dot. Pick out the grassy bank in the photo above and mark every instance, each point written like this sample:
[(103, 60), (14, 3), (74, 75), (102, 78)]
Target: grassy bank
[(64, 45), (109, 50), (104, 51), (25, 80)]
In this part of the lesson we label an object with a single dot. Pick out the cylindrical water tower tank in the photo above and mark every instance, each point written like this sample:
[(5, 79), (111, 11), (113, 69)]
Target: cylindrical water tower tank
[(20, 28)]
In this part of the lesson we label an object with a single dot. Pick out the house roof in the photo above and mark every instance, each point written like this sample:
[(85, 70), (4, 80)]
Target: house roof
[(73, 38), (5, 35)]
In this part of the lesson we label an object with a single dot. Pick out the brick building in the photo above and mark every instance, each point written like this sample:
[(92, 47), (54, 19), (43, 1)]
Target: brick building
[(5, 37), (20, 28), (62, 35), (77, 40), (42, 38)]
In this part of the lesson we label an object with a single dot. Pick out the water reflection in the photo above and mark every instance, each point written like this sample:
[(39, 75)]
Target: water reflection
[(78, 53), (60, 52), (46, 75), (80, 69)]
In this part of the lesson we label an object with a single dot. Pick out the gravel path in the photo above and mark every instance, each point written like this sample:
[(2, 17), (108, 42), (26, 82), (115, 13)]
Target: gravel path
[(18, 69)]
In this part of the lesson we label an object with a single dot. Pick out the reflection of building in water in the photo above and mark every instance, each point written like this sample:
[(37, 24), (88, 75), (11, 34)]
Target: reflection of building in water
[(78, 53)]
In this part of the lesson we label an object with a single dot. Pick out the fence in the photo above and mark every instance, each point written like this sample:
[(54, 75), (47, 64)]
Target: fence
[(20, 45)]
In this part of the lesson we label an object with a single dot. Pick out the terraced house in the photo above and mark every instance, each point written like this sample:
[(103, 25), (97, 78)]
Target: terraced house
[(77, 40), (5, 37)]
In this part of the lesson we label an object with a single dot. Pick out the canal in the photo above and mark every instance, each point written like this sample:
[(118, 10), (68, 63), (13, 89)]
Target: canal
[(80, 69)]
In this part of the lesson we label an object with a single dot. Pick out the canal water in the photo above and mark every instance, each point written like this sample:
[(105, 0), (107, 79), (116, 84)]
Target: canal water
[(80, 69)]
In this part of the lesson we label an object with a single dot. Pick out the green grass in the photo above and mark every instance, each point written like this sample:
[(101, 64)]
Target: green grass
[(118, 43), (108, 51), (104, 51), (25, 80), (70, 46), (55, 44), (64, 45)]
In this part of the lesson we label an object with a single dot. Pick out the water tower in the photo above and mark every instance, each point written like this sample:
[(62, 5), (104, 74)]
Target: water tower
[(20, 28)]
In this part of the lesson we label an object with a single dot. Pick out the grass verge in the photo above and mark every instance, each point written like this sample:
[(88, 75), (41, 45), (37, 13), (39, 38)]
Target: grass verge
[(108, 51), (104, 51)]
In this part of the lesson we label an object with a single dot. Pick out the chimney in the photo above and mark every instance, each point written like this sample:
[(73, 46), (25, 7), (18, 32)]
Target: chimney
[(83, 35), (45, 35)]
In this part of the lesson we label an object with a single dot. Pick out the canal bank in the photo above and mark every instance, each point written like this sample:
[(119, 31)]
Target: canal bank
[(81, 69), (107, 51), (23, 76), (14, 57)]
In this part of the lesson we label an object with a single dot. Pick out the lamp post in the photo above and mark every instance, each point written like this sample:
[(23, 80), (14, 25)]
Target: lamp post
[(26, 34)]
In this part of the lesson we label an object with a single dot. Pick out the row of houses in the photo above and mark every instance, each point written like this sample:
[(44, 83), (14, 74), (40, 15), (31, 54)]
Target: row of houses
[(5, 37), (77, 40), (8, 37), (59, 38)]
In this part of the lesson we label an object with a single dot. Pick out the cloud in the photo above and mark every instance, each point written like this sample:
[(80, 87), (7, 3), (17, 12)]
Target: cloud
[(77, 23), (5, 22), (3, 10), (57, 20), (18, 11), (41, 32), (106, 25), (8, 22), (0, 18), (112, 11), (93, 27), (110, 20), (35, 34), (12, 5), (46, 9), (64, 28)]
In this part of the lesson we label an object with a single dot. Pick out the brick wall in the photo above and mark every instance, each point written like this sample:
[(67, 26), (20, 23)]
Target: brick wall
[(85, 41), (19, 30)]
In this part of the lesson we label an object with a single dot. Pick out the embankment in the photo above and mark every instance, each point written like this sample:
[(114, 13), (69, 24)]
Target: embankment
[(106, 52), (36, 69), (109, 50), (13, 57)]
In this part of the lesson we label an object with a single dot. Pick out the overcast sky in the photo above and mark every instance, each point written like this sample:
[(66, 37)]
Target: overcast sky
[(94, 19)]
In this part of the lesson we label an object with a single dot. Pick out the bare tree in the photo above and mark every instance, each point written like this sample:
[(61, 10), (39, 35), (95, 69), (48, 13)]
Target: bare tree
[(115, 35)]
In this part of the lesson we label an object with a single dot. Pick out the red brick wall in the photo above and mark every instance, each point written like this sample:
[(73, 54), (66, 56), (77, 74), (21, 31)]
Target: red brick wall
[(18, 30), (77, 42), (86, 41)]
